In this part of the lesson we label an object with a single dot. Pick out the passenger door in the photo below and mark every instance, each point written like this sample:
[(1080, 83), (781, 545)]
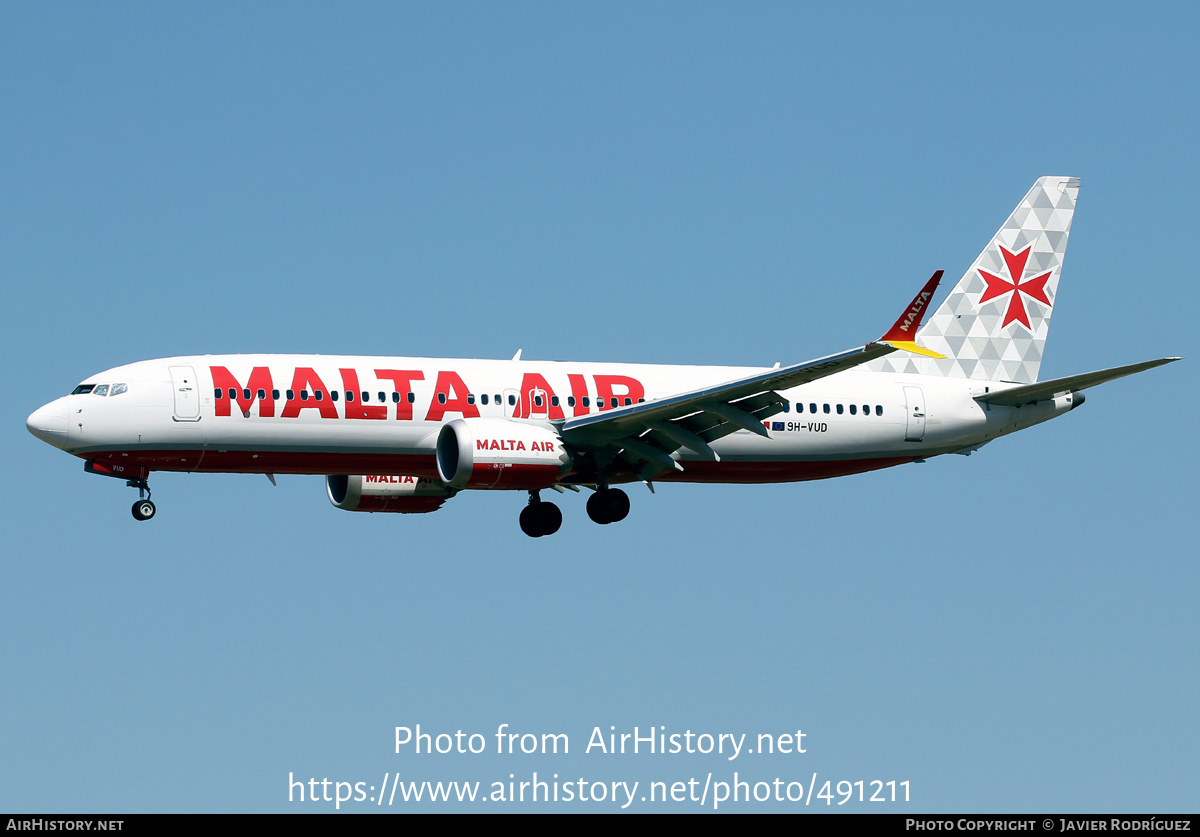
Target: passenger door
[(187, 393), (915, 400)]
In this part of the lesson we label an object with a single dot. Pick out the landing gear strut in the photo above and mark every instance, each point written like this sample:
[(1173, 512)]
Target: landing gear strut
[(540, 518), (608, 505), (143, 509)]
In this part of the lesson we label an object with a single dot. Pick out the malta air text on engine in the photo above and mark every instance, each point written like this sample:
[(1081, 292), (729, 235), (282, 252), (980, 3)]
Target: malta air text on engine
[(449, 395), (512, 445)]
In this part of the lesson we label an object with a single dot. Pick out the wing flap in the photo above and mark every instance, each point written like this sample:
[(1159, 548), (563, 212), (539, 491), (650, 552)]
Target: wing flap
[(714, 421)]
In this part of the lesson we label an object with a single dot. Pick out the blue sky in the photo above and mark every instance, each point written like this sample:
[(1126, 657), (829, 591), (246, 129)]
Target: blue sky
[(674, 183)]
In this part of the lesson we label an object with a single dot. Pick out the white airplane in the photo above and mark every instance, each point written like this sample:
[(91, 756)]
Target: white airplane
[(402, 434)]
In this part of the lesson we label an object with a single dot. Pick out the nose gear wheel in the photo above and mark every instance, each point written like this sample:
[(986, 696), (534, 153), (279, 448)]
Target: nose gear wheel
[(144, 508)]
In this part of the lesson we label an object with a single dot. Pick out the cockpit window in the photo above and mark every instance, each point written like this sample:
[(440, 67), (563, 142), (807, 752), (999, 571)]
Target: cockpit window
[(100, 390), (117, 389), (83, 389)]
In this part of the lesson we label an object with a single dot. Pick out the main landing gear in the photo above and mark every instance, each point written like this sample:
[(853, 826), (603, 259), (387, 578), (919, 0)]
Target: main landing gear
[(143, 509), (539, 517), (607, 505)]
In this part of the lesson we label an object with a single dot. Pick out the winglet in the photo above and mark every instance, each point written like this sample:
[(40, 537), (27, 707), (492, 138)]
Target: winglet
[(903, 335)]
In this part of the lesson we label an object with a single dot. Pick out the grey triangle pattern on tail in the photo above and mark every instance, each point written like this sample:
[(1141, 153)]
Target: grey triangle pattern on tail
[(983, 333)]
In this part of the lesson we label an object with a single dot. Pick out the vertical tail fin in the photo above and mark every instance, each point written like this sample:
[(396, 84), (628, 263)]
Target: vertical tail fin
[(993, 324)]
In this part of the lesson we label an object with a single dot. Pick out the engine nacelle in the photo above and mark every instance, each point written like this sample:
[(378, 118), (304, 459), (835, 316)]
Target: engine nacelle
[(406, 495), (500, 453)]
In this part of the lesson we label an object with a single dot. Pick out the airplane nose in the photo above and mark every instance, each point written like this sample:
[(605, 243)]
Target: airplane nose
[(49, 423)]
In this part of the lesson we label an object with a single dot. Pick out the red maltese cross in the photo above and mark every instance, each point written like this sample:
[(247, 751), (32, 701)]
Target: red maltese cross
[(998, 286)]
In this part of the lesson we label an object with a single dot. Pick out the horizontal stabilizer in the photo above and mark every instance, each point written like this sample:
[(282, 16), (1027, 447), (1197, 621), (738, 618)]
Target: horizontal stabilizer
[(1029, 393)]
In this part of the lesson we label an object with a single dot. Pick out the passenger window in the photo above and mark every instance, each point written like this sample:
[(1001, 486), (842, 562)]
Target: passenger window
[(232, 394), (853, 409), (262, 395), (320, 396), (628, 401), (218, 393), (787, 408), (291, 395), (866, 409), (117, 389), (246, 395), (274, 395), (483, 399), (570, 400), (333, 395), (839, 409), (470, 398), (878, 410), (303, 395), (441, 398), (101, 390), (412, 398), (812, 408), (826, 407), (512, 400), (537, 400), (587, 402), (395, 398), (349, 396), (554, 401), (383, 398)]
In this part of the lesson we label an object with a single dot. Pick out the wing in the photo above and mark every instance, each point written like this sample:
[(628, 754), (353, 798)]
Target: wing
[(644, 436)]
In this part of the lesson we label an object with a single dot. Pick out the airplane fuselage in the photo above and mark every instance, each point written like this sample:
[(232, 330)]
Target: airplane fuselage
[(320, 414)]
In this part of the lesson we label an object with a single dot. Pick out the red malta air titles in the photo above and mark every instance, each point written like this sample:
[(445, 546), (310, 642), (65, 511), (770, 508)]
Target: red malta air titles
[(403, 434)]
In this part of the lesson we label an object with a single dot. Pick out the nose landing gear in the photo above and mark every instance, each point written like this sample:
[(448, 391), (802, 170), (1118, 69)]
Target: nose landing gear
[(144, 508)]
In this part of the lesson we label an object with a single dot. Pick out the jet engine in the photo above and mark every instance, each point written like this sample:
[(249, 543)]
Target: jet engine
[(499, 453), (402, 494)]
